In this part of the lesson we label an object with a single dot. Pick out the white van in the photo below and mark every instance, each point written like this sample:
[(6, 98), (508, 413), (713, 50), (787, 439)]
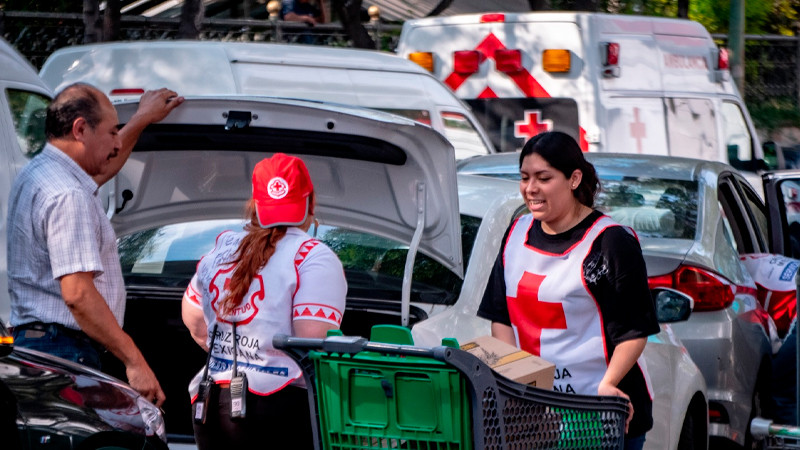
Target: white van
[(23, 102), (370, 79), (617, 83)]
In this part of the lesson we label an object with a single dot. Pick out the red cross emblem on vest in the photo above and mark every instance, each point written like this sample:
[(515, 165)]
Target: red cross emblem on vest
[(531, 124), (534, 315)]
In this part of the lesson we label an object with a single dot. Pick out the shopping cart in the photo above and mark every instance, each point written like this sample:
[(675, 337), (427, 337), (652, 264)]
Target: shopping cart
[(370, 395)]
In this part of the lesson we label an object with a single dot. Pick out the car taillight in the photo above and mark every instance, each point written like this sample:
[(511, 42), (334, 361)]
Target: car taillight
[(466, 61), (710, 291)]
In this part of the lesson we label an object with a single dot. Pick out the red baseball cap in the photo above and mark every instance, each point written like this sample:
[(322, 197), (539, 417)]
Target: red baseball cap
[(281, 189)]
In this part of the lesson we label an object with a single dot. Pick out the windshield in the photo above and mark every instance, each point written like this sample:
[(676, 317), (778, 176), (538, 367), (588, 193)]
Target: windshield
[(28, 111), (167, 257)]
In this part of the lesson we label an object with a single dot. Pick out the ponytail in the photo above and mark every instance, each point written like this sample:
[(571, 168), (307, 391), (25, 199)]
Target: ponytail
[(253, 253)]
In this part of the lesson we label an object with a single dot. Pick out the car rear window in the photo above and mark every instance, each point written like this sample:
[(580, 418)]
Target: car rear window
[(653, 207), (167, 256)]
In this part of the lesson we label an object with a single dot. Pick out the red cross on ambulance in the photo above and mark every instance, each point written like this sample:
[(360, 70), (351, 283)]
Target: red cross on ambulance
[(531, 125)]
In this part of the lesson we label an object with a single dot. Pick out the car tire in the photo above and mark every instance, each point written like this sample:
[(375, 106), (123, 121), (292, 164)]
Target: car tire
[(686, 439)]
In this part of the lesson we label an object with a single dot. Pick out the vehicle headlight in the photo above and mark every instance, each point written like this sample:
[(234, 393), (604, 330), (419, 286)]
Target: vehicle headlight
[(153, 420)]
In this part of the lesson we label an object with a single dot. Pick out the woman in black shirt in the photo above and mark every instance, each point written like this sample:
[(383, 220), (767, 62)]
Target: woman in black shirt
[(570, 284)]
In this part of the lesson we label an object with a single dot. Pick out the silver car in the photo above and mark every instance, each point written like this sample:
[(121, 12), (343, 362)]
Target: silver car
[(695, 219)]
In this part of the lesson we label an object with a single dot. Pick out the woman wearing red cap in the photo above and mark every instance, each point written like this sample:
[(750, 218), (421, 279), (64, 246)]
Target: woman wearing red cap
[(270, 278)]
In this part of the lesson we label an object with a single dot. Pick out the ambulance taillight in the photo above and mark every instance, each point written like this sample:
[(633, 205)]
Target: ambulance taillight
[(723, 59), (424, 59), (610, 59), (556, 60), (508, 60), (493, 17), (466, 61)]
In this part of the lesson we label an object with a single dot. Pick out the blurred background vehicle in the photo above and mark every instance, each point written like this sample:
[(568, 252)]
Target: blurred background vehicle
[(366, 78)]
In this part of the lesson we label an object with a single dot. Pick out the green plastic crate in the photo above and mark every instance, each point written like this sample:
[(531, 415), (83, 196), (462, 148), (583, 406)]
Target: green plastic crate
[(370, 401)]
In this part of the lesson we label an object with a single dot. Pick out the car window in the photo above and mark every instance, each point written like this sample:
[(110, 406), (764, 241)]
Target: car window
[(691, 128), (168, 256), (790, 214), (420, 115), (462, 134), (727, 230), (28, 112), (734, 210), (653, 207), (736, 138), (758, 216)]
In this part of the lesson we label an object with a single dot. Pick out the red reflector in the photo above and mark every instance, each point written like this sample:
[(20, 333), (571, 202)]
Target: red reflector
[(466, 61), (127, 91), (494, 17), (723, 60), (710, 291), (508, 60), (612, 54)]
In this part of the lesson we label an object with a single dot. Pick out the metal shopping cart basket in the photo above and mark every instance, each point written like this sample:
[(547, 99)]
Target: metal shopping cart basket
[(370, 395)]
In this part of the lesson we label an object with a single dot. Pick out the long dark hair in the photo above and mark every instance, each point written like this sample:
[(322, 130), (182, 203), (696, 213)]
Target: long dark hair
[(562, 152)]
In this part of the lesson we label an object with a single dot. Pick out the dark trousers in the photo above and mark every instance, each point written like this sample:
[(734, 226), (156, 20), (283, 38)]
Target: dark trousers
[(278, 421), (60, 341)]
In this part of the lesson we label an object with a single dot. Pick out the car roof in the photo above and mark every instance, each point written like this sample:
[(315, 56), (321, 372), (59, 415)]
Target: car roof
[(16, 68), (135, 62), (372, 171)]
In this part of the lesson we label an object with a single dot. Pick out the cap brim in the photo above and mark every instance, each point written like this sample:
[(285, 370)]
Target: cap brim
[(290, 214)]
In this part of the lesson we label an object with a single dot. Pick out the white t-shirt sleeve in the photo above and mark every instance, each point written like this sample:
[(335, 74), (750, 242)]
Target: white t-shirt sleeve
[(193, 295), (321, 287)]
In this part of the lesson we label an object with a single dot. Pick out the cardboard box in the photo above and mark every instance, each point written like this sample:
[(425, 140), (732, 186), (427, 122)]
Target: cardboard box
[(511, 362)]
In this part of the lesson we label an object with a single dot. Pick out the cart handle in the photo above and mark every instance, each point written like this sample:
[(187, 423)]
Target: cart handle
[(761, 428), (352, 345)]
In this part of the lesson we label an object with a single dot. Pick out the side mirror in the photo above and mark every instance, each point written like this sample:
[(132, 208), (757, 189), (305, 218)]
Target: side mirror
[(773, 157), (672, 305)]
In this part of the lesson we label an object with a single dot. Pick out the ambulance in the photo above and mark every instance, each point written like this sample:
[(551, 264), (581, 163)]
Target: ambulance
[(616, 83)]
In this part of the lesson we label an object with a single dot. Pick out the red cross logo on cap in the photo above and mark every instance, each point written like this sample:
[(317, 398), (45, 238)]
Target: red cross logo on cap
[(537, 315), (531, 125), (277, 188)]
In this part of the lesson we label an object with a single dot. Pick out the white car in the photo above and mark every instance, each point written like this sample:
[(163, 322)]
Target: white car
[(387, 189)]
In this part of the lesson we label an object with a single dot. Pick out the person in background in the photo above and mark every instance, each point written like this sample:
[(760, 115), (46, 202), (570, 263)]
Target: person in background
[(64, 275), (270, 278), (302, 11), (570, 285)]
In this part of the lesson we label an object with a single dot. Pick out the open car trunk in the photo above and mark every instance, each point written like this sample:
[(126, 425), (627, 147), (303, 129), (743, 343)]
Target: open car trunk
[(386, 198)]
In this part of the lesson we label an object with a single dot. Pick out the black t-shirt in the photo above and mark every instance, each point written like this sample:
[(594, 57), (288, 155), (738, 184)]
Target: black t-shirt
[(616, 275)]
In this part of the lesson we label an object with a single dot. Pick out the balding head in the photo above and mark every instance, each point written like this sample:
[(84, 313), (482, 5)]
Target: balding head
[(73, 102)]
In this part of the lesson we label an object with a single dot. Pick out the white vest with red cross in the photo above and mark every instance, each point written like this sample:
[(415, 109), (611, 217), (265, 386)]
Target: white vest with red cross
[(552, 311)]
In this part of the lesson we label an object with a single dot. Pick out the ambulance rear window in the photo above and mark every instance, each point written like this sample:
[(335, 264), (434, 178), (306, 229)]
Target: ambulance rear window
[(510, 122)]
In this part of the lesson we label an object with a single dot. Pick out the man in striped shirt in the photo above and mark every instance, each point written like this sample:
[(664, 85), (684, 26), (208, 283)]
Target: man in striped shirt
[(66, 285)]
